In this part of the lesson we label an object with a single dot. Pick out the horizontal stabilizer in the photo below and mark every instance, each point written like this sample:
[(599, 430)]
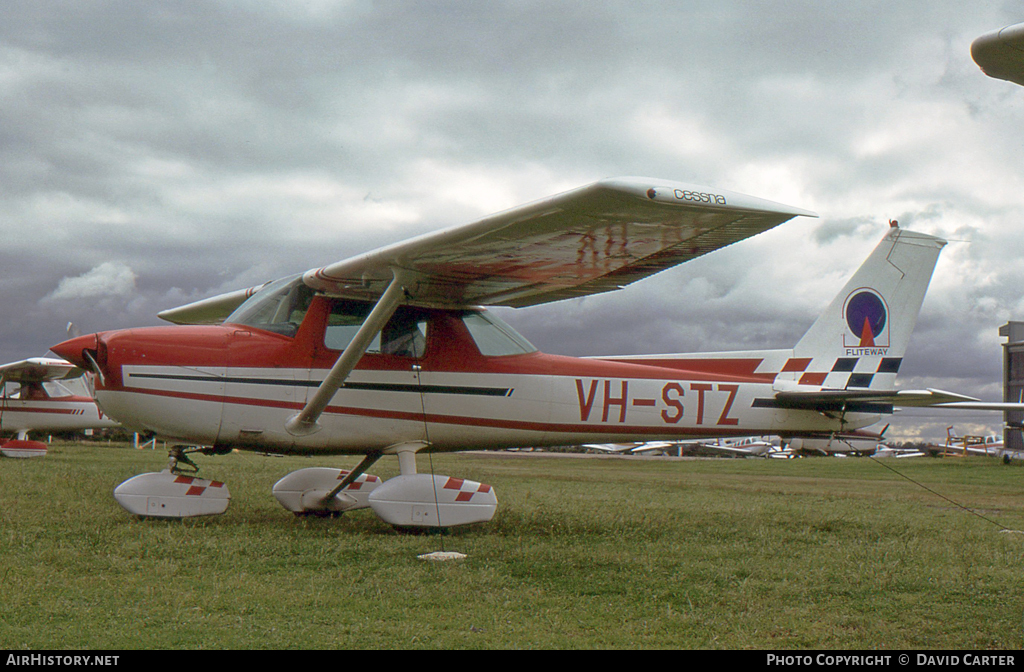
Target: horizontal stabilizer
[(865, 401)]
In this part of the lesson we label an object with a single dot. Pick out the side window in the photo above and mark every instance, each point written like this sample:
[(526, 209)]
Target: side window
[(55, 390), (33, 391), (493, 337), (344, 321), (405, 334)]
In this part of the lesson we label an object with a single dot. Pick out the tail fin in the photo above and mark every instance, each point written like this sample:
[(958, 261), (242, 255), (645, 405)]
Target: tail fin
[(859, 341)]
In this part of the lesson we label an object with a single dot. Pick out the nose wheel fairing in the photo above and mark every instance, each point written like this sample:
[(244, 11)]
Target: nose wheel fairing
[(166, 494)]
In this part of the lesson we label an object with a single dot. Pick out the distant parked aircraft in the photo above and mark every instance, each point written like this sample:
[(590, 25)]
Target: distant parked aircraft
[(37, 394)]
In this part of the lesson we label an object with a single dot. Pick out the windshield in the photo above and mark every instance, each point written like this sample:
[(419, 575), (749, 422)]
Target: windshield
[(35, 390), (279, 307)]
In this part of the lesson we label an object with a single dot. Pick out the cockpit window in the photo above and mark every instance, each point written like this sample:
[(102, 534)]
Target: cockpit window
[(35, 390), (493, 337), (404, 335), (279, 307)]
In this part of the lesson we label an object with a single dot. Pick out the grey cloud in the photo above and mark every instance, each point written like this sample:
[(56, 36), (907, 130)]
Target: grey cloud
[(213, 145)]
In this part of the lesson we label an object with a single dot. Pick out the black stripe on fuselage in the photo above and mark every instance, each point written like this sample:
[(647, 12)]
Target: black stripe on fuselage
[(368, 387)]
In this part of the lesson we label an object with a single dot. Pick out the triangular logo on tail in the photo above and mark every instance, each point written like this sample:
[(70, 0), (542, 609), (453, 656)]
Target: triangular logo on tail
[(867, 338)]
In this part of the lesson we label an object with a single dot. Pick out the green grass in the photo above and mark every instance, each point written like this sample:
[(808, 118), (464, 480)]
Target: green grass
[(583, 553)]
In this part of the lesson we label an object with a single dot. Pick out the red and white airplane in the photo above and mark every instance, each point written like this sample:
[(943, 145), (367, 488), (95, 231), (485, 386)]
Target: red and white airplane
[(35, 394), (392, 353)]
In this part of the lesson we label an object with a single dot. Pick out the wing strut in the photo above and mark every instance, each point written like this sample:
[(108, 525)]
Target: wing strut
[(360, 469), (305, 421)]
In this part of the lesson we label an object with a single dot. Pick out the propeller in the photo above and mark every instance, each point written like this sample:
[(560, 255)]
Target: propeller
[(75, 332)]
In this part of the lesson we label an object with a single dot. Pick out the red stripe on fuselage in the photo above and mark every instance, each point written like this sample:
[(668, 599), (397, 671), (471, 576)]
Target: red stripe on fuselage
[(743, 370), (465, 421), (29, 409)]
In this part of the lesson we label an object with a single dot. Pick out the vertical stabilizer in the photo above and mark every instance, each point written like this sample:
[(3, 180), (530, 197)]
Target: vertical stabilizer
[(860, 339)]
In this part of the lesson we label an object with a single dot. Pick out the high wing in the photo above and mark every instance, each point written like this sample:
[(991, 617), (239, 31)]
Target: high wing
[(586, 241), (593, 239), (39, 369), (1000, 53)]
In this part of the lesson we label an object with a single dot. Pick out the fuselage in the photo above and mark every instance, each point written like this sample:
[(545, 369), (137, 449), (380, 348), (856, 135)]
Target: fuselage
[(235, 386)]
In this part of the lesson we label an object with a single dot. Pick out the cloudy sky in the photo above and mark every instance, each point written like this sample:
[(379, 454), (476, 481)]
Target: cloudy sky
[(155, 153)]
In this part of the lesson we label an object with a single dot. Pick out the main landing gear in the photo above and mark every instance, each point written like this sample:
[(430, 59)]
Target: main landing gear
[(408, 500)]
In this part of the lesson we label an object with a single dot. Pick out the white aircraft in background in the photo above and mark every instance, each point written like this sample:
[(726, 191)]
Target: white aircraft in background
[(866, 446), (632, 448), (839, 445), (751, 446), (889, 451), (44, 394), (747, 446), (391, 353)]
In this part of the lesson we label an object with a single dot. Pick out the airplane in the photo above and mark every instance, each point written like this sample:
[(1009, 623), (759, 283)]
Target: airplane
[(899, 453), (632, 448), (393, 352), (1000, 53), (751, 446), (36, 394), (847, 443), (991, 445), (747, 446), (847, 446)]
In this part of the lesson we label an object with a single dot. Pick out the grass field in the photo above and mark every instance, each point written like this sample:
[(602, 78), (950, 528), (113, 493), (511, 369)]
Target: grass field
[(583, 553)]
